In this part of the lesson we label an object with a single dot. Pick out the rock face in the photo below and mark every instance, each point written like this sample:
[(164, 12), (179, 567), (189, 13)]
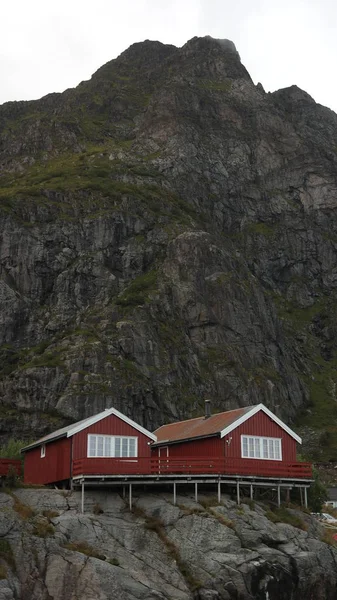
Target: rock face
[(168, 233), (160, 551)]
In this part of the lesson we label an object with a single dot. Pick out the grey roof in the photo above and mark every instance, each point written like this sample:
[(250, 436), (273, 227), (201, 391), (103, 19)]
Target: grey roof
[(70, 430), (59, 433)]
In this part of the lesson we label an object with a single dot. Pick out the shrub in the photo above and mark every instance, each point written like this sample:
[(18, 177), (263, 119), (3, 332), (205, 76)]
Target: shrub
[(12, 449), (317, 494), (97, 509), (11, 479), (114, 561)]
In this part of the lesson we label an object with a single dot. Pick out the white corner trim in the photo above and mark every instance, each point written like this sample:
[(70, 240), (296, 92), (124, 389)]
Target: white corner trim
[(106, 413), (251, 413)]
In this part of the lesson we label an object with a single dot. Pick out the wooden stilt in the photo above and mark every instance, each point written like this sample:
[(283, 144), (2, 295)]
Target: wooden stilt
[(130, 496), (196, 491), (219, 491), (251, 492), (238, 492), (174, 493), (278, 496), (82, 497), (305, 498)]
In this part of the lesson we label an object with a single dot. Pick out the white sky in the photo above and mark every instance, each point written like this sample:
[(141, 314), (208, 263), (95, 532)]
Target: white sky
[(48, 46)]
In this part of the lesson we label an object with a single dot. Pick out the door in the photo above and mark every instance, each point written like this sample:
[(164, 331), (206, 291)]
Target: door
[(163, 454)]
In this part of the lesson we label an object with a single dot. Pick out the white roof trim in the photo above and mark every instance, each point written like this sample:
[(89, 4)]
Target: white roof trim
[(106, 413), (251, 413)]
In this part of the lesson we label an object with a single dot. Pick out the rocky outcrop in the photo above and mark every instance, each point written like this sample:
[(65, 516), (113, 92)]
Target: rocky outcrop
[(200, 551), (168, 234)]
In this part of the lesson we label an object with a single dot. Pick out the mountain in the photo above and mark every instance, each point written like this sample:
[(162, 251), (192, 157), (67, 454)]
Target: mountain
[(169, 234)]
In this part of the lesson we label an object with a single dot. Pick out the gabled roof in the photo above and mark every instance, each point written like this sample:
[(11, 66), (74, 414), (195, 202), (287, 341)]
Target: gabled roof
[(70, 430), (219, 424)]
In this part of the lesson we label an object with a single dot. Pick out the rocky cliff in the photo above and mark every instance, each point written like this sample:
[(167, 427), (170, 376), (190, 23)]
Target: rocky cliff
[(168, 233), (160, 551)]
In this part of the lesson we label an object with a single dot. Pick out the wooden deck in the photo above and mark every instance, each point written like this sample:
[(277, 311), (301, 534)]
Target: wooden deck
[(190, 467)]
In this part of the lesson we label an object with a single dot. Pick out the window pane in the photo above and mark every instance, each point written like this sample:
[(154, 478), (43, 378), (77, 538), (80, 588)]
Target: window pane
[(92, 445), (251, 447), (257, 447), (245, 447), (271, 449), (132, 447), (265, 448), (124, 446), (100, 443), (117, 446), (107, 446), (277, 447)]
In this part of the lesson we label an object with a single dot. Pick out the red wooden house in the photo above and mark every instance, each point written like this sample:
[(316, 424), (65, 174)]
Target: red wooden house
[(249, 441), (106, 443)]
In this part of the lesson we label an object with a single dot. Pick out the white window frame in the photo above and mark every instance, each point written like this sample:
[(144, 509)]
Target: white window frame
[(43, 451), (259, 440), (112, 439)]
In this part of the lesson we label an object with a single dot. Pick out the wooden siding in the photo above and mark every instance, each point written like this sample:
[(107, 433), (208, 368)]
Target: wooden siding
[(260, 425), (55, 466), (112, 425), (212, 446)]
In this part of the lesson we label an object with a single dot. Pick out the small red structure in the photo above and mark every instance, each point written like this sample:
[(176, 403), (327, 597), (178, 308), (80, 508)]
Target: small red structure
[(8, 464), (248, 441), (108, 442)]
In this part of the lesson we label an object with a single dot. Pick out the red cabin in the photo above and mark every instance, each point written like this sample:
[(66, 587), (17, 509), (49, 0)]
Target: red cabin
[(248, 441), (106, 443)]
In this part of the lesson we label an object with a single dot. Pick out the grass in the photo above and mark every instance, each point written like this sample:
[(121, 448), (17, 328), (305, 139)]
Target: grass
[(3, 572), (6, 552), (261, 229), (138, 292), (283, 515), (156, 525), (50, 514), (84, 548), (210, 501), (43, 529), (23, 510), (327, 537), (215, 86)]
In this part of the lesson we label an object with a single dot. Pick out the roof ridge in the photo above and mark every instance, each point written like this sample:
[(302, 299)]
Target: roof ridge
[(203, 416)]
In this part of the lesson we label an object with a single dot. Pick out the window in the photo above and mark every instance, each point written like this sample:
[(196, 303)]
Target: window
[(104, 446), (260, 447), (43, 450)]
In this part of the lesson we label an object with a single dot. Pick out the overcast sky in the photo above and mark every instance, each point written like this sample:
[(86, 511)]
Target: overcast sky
[(47, 46)]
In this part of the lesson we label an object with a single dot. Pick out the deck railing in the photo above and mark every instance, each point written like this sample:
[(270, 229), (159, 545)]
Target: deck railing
[(6, 463), (191, 466)]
